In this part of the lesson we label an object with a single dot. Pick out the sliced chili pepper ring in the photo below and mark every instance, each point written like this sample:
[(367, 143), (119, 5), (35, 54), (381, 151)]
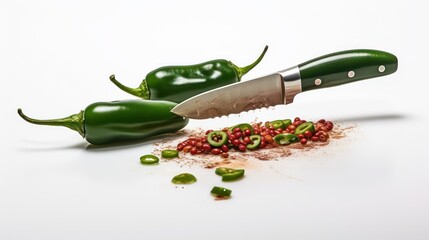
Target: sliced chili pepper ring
[(243, 126), (221, 191), (256, 141), (221, 136), (184, 178), (229, 174), (278, 124), (149, 159), (303, 127), (287, 122), (169, 153), (285, 138)]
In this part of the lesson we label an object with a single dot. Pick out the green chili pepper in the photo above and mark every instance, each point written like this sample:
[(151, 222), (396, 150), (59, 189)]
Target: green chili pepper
[(229, 174), (256, 141), (303, 127), (118, 121), (169, 153), (220, 191), (177, 83), (149, 159), (184, 178), (243, 127), (285, 138), (217, 138)]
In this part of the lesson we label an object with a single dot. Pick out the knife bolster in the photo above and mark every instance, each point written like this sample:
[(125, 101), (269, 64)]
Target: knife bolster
[(292, 83)]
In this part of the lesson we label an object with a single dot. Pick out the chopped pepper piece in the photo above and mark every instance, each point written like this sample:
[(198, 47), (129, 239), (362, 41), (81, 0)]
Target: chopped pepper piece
[(303, 127), (278, 124), (220, 191), (285, 138), (256, 141), (184, 178), (149, 159), (169, 153), (287, 122), (229, 174)]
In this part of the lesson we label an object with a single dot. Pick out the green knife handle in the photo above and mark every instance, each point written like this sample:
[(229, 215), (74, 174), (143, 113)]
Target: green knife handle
[(346, 67)]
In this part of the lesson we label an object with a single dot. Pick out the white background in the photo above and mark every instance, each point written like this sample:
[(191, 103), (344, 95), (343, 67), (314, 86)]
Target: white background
[(56, 57)]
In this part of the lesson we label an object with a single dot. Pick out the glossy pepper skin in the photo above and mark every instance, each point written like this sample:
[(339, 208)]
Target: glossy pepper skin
[(178, 83), (118, 121)]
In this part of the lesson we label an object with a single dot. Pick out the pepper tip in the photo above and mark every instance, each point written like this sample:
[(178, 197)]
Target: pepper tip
[(20, 112)]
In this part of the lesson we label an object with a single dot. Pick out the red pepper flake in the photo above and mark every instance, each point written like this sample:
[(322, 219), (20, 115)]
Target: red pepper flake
[(234, 152)]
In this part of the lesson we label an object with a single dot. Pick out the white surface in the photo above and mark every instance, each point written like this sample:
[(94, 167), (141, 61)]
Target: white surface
[(56, 57)]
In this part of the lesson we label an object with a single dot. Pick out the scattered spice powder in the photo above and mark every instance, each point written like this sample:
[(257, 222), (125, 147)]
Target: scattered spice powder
[(244, 159)]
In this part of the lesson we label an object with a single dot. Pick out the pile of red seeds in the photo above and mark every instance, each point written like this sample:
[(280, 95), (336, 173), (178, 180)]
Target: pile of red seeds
[(239, 139)]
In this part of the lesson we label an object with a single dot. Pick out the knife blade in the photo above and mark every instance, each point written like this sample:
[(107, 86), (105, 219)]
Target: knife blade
[(281, 87)]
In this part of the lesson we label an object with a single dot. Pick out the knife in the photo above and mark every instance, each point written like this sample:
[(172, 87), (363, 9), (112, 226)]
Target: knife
[(281, 87)]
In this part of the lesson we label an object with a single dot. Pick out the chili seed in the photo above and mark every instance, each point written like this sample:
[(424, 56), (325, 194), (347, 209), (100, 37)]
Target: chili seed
[(236, 142), (308, 134), (242, 147), (231, 137), (297, 123), (216, 151), (268, 138), (206, 147), (224, 148), (247, 132), (329, 125), (187, 148), (263, 133), (180, 147), (237, 134), (291, 127)]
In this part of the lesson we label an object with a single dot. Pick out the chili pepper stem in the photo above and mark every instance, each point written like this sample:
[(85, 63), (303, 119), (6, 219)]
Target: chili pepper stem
[(74, 122), (141, 91), (241, 71)]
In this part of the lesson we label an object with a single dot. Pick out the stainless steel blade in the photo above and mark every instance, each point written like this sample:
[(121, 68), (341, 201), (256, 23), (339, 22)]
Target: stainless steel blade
[(235, 98)]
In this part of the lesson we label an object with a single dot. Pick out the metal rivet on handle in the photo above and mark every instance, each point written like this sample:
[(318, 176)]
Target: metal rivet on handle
[(318, 81), (351, 74), (382, 68)]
